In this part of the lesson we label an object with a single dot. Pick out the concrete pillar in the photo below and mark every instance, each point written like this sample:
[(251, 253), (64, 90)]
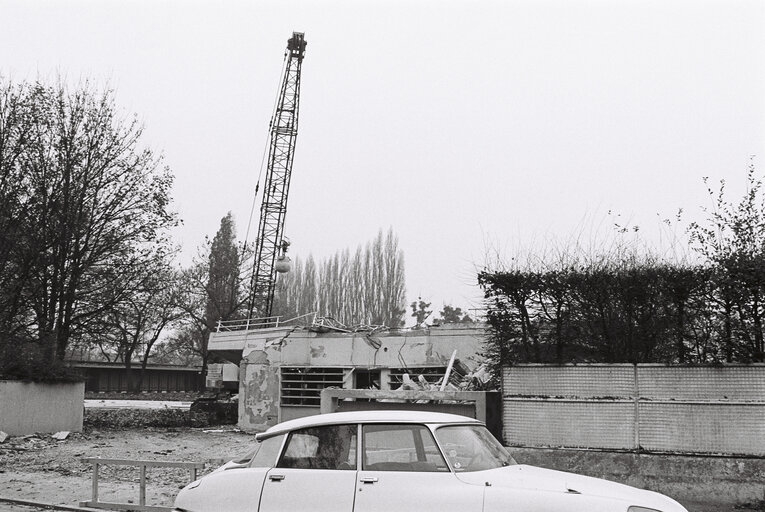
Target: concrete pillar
[(258, 392)]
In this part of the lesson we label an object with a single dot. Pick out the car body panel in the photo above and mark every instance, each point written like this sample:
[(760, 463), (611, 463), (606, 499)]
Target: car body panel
[(308, 490), (214, 491), (404, 491), (520, 482)]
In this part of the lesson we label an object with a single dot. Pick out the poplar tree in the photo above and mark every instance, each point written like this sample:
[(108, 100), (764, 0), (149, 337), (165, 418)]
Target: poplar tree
[(211, 289), (366, 287)]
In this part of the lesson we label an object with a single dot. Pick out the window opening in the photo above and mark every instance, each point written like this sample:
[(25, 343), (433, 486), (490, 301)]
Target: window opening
[(302, 386)]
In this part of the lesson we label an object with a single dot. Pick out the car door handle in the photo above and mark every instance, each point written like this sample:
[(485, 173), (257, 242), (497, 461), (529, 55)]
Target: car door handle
[(276, 478), (368, 480)]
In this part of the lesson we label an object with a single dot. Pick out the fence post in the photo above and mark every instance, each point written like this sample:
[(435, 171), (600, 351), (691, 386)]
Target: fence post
[(142, 487), (636, 398), (95, 483)]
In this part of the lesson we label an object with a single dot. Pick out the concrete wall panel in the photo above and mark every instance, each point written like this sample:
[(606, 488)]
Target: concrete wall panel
[(29, 407), (572, 423), (718, 410)]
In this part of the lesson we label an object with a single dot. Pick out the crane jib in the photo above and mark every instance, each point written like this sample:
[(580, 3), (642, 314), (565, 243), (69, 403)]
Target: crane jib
[(270, 245)]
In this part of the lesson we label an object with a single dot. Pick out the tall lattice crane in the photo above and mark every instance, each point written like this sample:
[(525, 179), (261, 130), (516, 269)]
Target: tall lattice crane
[(270, 246)]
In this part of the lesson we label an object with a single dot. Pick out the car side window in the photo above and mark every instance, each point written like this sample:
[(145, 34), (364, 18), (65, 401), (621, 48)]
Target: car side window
[(401, 448), (266, 452), (326, 447)]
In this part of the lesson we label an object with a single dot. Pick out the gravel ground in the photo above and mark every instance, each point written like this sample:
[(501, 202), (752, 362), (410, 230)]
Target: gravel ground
[(39, 468)]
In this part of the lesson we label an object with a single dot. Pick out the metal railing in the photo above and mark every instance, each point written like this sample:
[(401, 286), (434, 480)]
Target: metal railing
[(191, 467), (261, 323)]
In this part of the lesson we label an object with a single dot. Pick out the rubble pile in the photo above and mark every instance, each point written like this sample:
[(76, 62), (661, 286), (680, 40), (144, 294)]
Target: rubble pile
[(136, 418), (459, 379)]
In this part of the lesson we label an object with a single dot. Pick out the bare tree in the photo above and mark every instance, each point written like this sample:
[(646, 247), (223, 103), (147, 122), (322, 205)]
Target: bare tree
[(733, 241), (134, 326), (16, 256), (94, 204)]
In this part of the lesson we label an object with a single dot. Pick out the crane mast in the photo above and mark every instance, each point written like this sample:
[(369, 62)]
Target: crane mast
[(270, 243)]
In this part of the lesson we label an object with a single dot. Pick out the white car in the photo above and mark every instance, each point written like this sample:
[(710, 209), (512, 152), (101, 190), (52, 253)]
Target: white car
[(405, 461)]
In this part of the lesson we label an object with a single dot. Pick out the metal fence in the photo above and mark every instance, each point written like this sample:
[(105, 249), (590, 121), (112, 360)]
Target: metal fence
[(646, 407)]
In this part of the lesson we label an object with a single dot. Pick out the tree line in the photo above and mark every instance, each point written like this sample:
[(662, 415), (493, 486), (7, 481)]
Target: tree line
[(87, 264), (366, 287), (628, 305)]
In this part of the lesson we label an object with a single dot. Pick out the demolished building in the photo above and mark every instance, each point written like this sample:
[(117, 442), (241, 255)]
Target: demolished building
[(283, 369)]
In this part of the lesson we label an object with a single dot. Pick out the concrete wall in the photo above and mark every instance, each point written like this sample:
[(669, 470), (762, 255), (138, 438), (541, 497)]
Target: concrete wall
[(685, 478), (644, 407), (266, 350), (29, 407)]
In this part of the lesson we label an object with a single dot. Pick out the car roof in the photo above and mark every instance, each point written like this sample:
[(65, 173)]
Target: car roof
[(369, 417)]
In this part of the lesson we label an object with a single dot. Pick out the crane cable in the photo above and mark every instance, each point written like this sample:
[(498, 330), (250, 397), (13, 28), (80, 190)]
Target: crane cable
[(263, 158)]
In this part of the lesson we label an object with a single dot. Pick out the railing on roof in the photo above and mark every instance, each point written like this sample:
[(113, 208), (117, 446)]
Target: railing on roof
[(262, 323)]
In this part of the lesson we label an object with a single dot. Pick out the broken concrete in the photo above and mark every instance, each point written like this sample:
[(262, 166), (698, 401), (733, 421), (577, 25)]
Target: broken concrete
[(263, 352)]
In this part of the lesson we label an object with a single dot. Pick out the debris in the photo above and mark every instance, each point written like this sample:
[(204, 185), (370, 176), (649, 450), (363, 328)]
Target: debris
[(327, 324), (445, 380), (60, 436), (3, 436), (456, 378), (477, 380)]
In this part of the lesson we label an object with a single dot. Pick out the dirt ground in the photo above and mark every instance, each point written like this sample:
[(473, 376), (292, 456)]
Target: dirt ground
[(39, 468)]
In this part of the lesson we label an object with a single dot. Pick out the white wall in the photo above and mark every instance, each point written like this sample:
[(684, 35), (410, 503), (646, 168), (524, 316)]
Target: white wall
[(29, 407)]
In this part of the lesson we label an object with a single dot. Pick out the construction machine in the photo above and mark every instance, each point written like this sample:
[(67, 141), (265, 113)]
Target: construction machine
[(270, 246)]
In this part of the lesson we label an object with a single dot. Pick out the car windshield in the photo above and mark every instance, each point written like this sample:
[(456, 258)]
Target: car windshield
[(472, 448)]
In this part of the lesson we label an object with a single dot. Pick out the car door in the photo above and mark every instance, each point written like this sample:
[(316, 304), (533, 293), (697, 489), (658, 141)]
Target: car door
[(316, 472), (403, 470), (236, 486)]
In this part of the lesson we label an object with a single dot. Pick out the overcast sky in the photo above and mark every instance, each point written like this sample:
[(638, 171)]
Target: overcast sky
[(460, 124)]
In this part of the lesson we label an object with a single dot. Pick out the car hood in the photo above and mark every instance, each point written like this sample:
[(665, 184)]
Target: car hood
[(530, 477)]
